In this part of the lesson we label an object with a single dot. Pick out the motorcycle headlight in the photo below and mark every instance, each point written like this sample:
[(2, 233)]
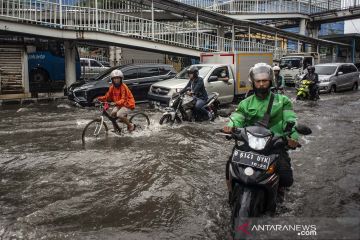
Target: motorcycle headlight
[(257, 143), (171, 102)]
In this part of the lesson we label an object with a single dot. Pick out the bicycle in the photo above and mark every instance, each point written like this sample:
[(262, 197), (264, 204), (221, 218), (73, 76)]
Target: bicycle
[(98, 128)]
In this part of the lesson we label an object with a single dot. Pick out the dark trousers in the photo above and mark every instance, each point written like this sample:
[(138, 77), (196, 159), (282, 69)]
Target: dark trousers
[(313, 90), (283, 169), (199, 109)]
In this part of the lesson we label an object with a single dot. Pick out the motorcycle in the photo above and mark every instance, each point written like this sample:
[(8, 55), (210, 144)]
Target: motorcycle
[(181, 109), (303, 91), (252, 171)]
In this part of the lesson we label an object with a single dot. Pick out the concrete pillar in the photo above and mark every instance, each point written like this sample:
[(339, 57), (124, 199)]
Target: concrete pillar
[(314, 33), (221, 34), (334, 53), (118, 56), (302, 27), (220, 31), (112, 55), (25, 72), (299, 46), (70, 63)]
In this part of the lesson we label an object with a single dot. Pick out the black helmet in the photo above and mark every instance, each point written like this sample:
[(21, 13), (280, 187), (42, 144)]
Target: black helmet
[(311, 69), (194, 70)]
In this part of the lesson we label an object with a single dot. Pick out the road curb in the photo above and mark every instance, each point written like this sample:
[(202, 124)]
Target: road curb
[(26, 101)]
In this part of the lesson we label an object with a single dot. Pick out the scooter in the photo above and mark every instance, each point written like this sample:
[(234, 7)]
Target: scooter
[(303, 91), (252, 171), (181, 109)]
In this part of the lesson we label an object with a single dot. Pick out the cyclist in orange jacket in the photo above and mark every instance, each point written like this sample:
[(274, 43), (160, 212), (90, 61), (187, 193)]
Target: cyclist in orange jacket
[(121, 95)]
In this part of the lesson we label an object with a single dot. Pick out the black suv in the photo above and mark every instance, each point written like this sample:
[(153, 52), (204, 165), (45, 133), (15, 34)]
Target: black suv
[(138, 77)]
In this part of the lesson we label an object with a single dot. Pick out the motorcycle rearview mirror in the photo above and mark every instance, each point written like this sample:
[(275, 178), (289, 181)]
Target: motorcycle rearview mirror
[(303, 129)]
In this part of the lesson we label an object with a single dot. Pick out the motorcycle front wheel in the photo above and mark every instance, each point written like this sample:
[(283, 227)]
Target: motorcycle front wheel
[(166, 119), (247, 203)]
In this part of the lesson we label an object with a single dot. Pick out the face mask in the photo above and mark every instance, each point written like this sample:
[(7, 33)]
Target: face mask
[(223, 74), (117, 85), (261, 90)]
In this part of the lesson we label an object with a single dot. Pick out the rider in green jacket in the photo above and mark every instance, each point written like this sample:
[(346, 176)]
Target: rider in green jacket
[(253, 109)]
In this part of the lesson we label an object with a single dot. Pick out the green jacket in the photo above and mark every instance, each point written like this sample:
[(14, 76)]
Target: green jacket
[(252, 109)]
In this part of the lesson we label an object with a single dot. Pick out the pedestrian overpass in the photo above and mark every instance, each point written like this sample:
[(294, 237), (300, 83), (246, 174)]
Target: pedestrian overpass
[(85, 21)]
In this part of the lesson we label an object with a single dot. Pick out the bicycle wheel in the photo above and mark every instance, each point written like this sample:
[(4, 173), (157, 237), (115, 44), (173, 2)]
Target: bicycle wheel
[(141, 121), (94, 131)]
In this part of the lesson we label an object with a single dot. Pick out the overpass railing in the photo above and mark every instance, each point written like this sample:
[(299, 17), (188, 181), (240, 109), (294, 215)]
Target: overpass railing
[(87, 17), (272, 6)]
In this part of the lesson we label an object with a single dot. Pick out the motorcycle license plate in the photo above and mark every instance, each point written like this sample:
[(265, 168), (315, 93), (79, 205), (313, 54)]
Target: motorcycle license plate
[(251, 159)]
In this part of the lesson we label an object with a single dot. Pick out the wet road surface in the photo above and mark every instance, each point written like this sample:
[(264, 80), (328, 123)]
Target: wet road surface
[(164, 183)]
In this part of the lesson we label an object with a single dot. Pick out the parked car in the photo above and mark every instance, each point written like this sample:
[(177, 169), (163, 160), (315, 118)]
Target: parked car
[(137, 77), (337, 76), (90, 68), (105, 64)]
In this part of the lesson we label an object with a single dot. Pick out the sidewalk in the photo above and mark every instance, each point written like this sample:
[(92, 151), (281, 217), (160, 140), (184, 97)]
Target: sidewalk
[(42, 97)]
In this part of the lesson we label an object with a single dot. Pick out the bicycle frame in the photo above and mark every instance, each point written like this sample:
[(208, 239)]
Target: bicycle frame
[(103, 109)]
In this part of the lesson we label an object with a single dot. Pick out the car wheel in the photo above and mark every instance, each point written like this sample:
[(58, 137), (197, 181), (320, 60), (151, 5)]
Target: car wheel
[(355, 87), (333, 89)]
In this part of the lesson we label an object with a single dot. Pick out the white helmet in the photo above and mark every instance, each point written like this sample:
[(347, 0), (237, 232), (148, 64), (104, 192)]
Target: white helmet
[(276, 68), (260, 71), (116, 73)]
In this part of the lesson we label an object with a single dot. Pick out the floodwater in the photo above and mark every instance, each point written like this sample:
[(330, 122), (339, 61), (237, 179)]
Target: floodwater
[(163, 183)]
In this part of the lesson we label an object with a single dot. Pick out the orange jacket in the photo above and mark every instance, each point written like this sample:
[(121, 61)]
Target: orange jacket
[(121, 96)]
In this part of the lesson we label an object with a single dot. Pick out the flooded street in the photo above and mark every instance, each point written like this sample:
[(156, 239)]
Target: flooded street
[(164, 183)]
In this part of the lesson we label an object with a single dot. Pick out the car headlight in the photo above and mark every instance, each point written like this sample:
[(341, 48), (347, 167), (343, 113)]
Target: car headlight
[(84, 87), (178, 90), (257, 143)]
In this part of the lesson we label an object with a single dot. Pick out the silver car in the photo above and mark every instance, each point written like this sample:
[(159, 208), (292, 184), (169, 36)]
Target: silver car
[(90, 68), (337, 76)]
